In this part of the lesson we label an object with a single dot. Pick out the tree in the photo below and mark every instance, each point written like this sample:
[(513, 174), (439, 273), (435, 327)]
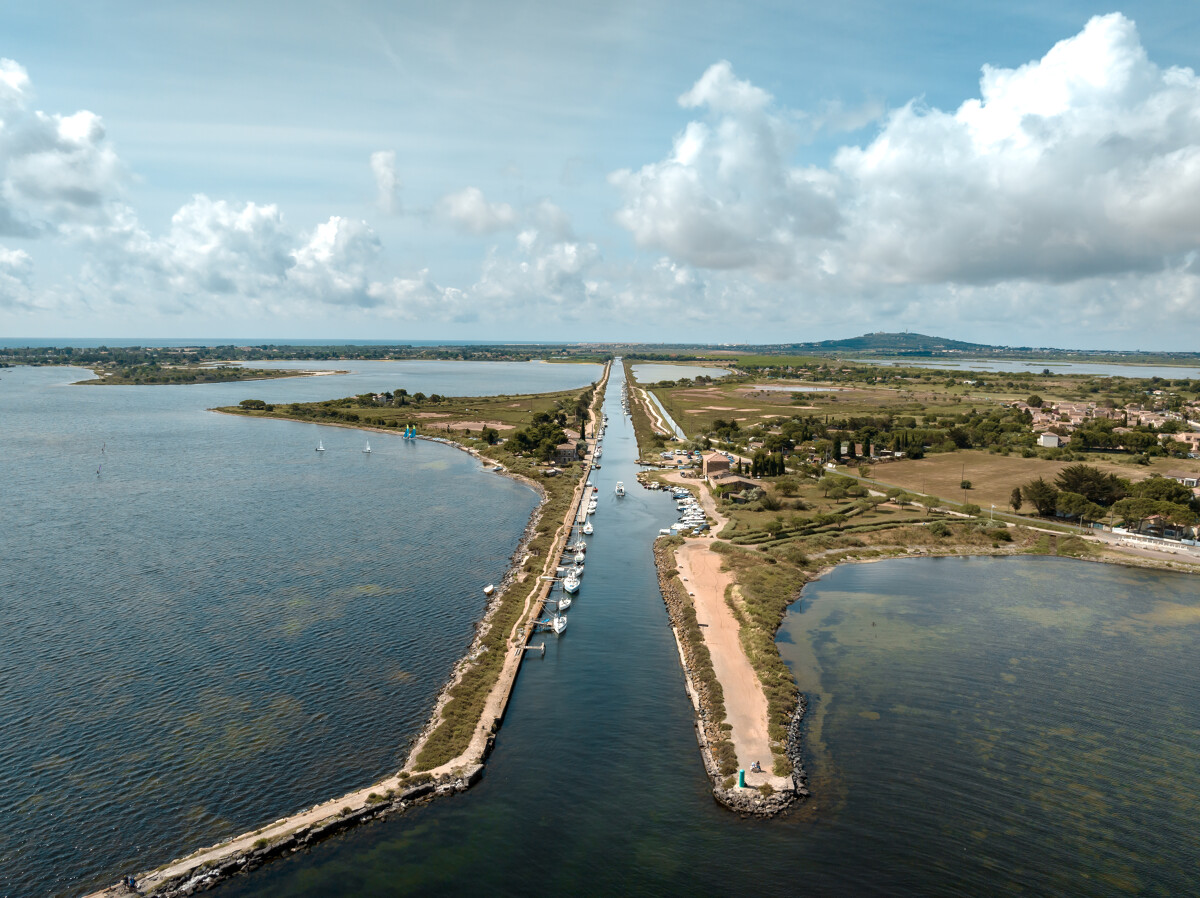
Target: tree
[(252, 404), (1015, 499), (972, 509), (1041, 495), (1034, 401), (490, 435), (1093, 484), (787, 486), (1163, 489)]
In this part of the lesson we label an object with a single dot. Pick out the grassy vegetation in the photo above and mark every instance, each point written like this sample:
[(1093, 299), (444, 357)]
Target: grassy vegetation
[(467, 420), (648, 441), (154, 373), (463, 418)]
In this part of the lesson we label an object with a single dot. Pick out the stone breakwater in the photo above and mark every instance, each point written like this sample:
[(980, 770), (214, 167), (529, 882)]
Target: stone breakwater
[(708, 701), (209, 874)]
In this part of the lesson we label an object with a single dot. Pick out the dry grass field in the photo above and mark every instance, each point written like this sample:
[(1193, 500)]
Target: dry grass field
[(994, 476)]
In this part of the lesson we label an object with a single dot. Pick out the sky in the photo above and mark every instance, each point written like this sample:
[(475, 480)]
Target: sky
[(1016, 173)]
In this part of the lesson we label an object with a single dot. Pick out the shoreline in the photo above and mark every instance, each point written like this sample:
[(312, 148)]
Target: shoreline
[(206, 867), (713, 721)]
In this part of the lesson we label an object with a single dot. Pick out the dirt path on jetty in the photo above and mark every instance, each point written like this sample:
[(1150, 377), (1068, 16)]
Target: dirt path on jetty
[(745, 702)]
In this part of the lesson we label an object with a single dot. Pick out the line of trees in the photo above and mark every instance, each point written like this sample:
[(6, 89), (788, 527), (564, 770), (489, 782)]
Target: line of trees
[(1086, 493)]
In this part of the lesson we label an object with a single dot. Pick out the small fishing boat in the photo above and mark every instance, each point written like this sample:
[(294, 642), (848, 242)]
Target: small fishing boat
[(489, 589), (320, 445), (588, 529), (620, 488), (367, 448)]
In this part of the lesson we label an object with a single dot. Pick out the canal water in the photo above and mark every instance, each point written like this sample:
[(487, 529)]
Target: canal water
[(978, 726), (205, 624)]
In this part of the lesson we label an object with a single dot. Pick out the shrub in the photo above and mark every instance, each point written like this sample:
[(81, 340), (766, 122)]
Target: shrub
[(260, 844)]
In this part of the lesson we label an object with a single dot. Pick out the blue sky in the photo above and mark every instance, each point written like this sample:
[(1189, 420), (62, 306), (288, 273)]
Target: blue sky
[(762, 172)]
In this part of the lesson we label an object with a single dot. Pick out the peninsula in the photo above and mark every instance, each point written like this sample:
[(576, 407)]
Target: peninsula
[(548, 444)]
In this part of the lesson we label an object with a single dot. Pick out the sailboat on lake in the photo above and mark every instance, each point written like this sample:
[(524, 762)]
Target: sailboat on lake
[(367, 450), (320, 445)]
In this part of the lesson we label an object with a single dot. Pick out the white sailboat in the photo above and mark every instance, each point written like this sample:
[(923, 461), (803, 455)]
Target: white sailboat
[(320, 445), (367, 450), (558, 623), (571, 584), (588, 529)]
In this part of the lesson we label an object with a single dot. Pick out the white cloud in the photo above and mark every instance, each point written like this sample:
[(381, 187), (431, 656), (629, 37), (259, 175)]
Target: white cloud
[(333, 266), (387, 182), (1083, 164), (727, 197), (16, 268), (469, 211), (55, 170)]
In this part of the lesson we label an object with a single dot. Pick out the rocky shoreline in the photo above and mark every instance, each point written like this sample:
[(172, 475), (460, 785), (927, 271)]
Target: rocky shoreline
[(208, 875), (709, 709)]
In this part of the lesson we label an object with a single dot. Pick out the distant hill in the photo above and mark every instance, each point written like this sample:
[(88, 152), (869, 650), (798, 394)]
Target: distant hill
[(892, 343)]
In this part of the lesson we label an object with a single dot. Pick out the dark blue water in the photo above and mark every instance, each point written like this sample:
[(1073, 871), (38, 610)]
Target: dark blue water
[(221, 626), (979, 726)]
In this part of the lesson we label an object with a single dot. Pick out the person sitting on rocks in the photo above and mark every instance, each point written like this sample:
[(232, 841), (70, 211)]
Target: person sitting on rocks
[(756, 768)]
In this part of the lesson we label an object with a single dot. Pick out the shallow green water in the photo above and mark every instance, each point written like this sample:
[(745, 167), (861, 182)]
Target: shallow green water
[(978, 726)]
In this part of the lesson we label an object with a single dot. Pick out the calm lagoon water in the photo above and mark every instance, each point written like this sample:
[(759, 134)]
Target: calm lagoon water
[(978, 726), (204, 624), (649, 373)]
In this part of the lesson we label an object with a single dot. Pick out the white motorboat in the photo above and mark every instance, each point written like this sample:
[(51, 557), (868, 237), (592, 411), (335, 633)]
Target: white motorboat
[(564, 603), (620, 488), (489, 589), (320, 445), (558, 623), (588, 529), (571, 584)]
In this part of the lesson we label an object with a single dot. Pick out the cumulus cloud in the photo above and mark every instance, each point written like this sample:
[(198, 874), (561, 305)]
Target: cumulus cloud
[(387, 182), (469, 211), (334, 264), (55, 170), (1082, 164), (16, 268), (727, 197)]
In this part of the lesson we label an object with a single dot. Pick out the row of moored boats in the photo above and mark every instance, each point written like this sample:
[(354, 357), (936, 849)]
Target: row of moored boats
[(569, 575)]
